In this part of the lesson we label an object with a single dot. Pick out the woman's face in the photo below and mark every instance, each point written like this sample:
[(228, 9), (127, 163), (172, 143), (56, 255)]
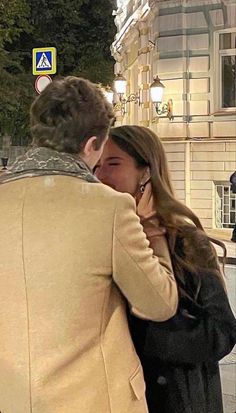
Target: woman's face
[(118, 170)]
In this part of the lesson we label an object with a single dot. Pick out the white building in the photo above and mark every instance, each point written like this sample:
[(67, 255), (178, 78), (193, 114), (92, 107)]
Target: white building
[(191, 46)]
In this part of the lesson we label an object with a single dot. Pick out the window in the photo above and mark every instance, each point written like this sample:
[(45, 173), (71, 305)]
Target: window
[(226, 46), (225, 206)]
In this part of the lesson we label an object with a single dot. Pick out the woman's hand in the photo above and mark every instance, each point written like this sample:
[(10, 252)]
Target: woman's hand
[(147, 214), (155, 234), (152, 228), (145, 208)]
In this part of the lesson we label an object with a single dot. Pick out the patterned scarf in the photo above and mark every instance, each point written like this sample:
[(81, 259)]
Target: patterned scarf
[(39, 161)]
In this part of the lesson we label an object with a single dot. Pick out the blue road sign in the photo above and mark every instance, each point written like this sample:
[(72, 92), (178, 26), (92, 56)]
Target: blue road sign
[(44, 61)]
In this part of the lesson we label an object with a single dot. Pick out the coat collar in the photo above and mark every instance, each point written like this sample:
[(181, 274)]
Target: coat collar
[(39, 161)]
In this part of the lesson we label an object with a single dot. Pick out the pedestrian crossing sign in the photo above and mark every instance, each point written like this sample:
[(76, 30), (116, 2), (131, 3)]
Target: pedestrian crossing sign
[(44, 61)]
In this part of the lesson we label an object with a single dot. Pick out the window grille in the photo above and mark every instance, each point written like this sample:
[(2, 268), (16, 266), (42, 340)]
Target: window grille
[(225, 206)]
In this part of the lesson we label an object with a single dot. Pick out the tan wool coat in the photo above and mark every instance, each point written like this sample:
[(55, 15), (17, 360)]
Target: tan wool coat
[(69, 251)]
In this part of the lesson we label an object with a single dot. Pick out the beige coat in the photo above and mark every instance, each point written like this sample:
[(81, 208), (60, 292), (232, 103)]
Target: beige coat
[(67, 249)]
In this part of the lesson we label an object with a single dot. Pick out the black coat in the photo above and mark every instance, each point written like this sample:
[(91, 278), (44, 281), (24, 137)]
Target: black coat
[(180, 356), (233, 182)]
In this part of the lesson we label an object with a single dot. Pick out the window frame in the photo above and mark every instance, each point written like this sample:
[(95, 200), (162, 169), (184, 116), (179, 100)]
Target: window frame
[(219, 54)]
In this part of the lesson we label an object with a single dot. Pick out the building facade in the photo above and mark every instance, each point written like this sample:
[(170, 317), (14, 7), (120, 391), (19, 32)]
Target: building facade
[(191, 46)]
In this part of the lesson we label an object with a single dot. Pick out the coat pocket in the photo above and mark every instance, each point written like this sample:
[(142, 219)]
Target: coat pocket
[(137, 383)]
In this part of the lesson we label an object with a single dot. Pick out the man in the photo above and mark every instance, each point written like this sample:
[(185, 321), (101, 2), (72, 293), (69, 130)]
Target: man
[(69, 247), (233, 189)]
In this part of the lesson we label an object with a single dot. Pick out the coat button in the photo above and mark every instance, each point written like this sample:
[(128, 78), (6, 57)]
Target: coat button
[(161, 380)]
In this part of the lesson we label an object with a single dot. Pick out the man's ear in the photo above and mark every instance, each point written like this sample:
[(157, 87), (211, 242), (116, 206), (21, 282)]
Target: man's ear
[(146, 176), (89, 146)]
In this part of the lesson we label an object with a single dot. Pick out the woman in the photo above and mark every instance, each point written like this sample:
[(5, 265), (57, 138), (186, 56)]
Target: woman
[(180, 357)]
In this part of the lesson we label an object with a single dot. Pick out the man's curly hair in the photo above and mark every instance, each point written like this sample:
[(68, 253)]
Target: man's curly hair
[(68, 112)]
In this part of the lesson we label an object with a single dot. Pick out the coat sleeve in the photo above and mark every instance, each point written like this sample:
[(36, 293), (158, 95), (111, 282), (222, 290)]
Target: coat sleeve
[(208, 336), (147, 282)]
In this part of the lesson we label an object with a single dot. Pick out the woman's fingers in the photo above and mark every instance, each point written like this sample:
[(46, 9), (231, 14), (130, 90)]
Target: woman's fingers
[(145, 206)]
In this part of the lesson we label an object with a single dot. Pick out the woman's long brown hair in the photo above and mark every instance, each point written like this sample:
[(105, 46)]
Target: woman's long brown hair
[(147, 150)]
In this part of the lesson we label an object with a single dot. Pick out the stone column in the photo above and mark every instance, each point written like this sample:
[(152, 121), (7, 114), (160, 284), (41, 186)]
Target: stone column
[(144, 75)]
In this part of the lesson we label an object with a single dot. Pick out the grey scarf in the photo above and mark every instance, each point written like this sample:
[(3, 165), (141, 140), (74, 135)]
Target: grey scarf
[(40, 161)]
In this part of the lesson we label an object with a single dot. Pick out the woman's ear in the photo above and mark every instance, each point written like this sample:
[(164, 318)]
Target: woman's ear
[(146, 176)]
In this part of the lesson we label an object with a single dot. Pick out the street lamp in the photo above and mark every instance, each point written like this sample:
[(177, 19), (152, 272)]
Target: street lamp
[(120, 83), (108, 92), (156, 91)]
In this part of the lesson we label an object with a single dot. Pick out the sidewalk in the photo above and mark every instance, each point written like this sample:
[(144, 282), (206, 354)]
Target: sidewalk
[(224, 235)]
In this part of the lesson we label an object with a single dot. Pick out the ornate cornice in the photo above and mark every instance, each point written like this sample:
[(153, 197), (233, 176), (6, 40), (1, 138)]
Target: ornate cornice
[(128, 24)]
